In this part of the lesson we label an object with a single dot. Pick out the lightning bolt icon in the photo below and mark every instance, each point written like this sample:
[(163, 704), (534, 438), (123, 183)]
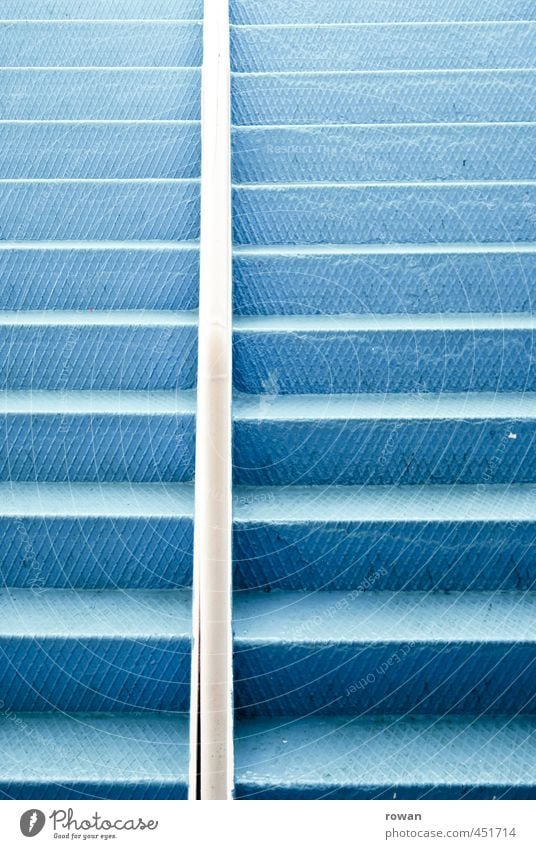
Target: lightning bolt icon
[(32, 822)]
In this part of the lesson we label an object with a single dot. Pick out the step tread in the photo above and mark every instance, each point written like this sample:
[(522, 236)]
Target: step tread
[(336, 504), (453, 405), (385, 752), (106, 500), (97, 402), (103, 748), (383, 617), (396, 322), (77, 614), (107, 318)]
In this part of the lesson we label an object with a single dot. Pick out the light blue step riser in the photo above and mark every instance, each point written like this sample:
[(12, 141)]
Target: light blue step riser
[(103, 9), (384, 97), (97, 447), (366, 214), (63, 94), (91, 44), (384, 361), (100, 210), (401, 556), (366, 48), (348, 11), (383, 452), (379, 283), (92, 357), (99, 278), (440, 152), (437, 678), (96, 552), (94, 674), (122, 151)]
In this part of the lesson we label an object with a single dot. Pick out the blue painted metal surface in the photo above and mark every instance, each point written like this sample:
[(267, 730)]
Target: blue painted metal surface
[(97, 276), (386, 758), (91, 350), (99, 261), (396, 279), (384, 234), (94, 756)]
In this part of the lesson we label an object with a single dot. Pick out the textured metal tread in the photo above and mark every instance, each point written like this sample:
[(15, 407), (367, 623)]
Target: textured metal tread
[(350, 11), (384, 152), (402, 538), (373, 46), (103, 9), (110, 650), (94, 756), (384, 279), (409, 96), (386, 758), (362, 652)]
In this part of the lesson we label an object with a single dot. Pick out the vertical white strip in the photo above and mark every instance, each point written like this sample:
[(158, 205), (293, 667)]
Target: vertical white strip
[(212, 546)]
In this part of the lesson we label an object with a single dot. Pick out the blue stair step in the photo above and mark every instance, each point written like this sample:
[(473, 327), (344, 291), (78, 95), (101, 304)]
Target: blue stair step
[(383, 279), (97, 436), (104, 9), (422, 438), (384, 152), (384, 653), (124, 150), (93, 756), (99, 276), (365, 213), (61, 94), (98, 350), (404, 538), (99, 209), (383, 96), (101, 43), (387, 758), (111, 650), (371, 47), (403, 353), (96, 536), (350, 11)]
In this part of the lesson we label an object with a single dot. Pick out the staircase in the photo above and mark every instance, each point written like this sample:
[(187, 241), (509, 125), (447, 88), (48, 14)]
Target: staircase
[(384, 455), (99, 222)]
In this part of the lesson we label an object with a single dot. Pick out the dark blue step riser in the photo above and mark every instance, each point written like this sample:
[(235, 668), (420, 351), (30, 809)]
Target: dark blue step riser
[(119, 151), (94, 790), (350, 11), (395, 451), (384, 678), (96, 447), (100, 210), (245, 790), (117, 94), (96, 553), (400, 556), (126, 278), (106, 43), (379, 283), (338, 154), (390, 97), (365, 214), (377, 361), (93, 357), (370, 48), (92, 674)]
